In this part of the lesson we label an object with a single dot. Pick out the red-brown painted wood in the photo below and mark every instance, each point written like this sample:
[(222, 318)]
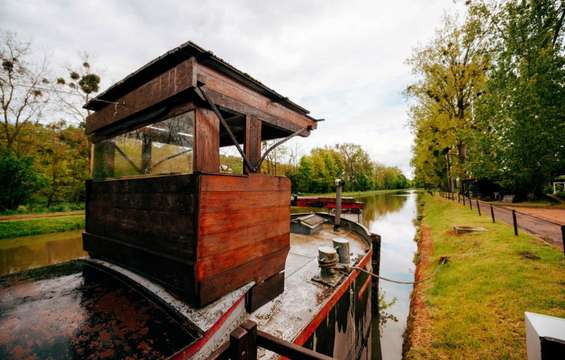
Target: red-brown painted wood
[(206, 142)]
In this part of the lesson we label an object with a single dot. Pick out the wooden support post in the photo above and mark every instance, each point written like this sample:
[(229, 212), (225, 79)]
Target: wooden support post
[(206, 141), (252, 142), (376, 265), (515, 222), (251, 328), (240, 345), (103, 164), (492, 214), (478, 207), (146, 147)]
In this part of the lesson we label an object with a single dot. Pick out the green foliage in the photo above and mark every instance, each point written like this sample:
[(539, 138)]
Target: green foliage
[(317, 172), (10, 229), (18, 180), (490, 98)]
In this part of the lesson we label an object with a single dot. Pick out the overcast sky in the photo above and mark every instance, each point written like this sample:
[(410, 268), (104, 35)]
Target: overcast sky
[(342, 60)]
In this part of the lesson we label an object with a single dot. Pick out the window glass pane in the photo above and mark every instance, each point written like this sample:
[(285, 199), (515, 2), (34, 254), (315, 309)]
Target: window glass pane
[(231, 161), (161, 148)]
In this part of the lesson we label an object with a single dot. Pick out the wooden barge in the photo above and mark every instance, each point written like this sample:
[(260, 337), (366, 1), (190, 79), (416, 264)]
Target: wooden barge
[(205, 251)]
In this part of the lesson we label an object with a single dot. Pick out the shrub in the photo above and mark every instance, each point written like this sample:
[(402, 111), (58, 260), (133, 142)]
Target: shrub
[(18, 180)]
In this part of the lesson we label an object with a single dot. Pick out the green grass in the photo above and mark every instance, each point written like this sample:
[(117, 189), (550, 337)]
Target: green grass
[(11, 229), (476, 302), (41, 209)]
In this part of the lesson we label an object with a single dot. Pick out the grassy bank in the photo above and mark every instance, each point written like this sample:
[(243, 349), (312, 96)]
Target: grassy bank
[(11, 229), (473, 306)]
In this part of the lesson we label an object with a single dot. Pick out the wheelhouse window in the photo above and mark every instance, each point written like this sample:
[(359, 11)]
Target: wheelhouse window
[(161, 148)]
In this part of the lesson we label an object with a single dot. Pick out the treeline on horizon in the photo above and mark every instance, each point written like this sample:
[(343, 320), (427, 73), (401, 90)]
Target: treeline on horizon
[(489, 100), (317, 171)]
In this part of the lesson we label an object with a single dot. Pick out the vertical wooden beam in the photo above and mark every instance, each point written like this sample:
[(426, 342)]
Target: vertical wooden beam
[(146, 146), (515, 222), (103, 164), (206, 141), (376, 266), (252, 142), (563, 237)]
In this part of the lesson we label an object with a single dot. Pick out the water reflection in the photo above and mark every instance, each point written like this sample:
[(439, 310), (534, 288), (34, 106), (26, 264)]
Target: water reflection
[(30, 252), (392, 216)]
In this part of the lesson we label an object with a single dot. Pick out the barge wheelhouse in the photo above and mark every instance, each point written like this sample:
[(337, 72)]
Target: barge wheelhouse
[(158, 203)]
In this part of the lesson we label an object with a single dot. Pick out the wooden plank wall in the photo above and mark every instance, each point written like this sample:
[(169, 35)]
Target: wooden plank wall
[(145, 224), (158, 89), (243, 231)]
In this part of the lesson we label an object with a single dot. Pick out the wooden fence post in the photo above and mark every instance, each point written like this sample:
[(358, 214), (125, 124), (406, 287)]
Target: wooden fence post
[(479, 207), (515, 222), (492, 213), (563, 237)]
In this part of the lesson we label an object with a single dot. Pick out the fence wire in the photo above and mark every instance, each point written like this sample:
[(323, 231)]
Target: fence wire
[(550, 231)]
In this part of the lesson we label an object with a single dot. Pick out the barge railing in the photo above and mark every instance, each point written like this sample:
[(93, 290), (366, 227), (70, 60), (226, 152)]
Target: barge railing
[(245, 340)]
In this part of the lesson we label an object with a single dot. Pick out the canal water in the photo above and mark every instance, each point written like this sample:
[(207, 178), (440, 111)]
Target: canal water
[(31, 252), (393, 216), (390, 215)]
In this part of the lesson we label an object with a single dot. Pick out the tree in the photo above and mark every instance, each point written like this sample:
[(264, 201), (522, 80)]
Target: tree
[(522, 111), (451, 74), (76, 89), (22, 96), (358, 167), (18, 180)]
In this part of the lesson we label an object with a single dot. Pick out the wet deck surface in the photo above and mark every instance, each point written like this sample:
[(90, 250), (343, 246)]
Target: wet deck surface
[(289, 313), (78, 311)]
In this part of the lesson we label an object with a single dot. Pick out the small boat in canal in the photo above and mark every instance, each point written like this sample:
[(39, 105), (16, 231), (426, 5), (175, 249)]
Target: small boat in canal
[(186, 262)]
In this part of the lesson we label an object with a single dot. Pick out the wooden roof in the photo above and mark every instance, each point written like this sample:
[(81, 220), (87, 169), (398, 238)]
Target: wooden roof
[(186, 67)]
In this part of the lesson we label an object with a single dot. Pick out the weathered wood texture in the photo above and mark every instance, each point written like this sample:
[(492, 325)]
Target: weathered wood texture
[(199, 235), (265, 291), (206, 141), (160, 88), (145, 224), (252, 141), (223, 90), (243, 231), (229, 93)]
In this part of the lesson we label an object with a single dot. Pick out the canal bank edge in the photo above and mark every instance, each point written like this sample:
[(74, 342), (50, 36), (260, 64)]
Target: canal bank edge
[(419, 317)]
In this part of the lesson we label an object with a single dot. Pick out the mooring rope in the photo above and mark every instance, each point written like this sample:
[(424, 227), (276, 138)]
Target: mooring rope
[(442, 261)]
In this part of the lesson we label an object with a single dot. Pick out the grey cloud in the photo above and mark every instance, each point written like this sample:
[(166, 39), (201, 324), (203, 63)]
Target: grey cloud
[(343, 60)]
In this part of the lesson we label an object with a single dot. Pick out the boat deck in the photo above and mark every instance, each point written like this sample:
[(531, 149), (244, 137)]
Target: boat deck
[(94, 309), (288, 314), (77, 310)]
